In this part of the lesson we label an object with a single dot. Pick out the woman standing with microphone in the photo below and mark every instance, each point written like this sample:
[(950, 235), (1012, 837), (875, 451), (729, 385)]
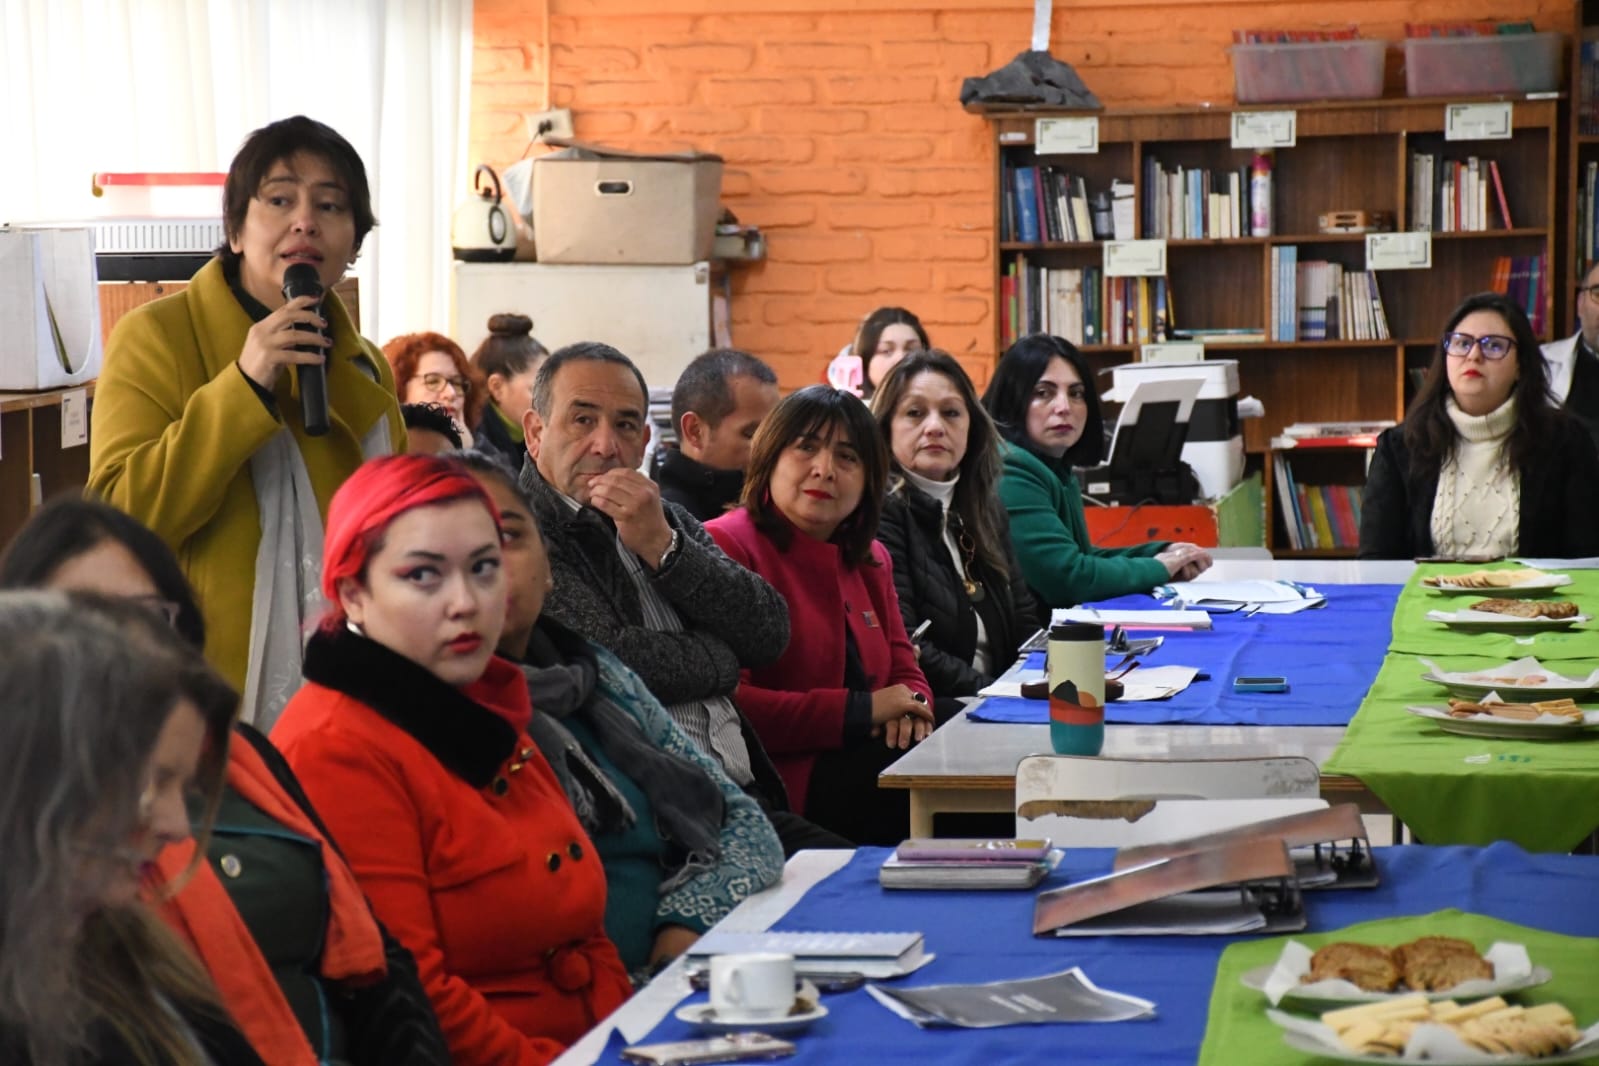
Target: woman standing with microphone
[(198, 428)]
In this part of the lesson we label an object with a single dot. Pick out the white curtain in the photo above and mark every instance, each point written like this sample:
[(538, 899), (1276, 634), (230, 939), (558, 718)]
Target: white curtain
[(176, 85)]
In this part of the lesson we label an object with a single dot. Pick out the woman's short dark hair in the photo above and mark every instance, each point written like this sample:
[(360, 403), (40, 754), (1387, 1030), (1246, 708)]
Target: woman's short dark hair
[(871, 331), (275, 143), (1010, 391), (977, 492), (509, 349), (1429, 433), (70, 526), (816, 411)]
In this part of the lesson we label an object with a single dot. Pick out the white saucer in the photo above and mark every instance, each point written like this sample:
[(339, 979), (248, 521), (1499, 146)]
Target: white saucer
[(704, 1016)]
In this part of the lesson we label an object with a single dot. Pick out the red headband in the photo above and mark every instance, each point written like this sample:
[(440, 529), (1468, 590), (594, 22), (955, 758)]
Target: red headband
[(375, 495)]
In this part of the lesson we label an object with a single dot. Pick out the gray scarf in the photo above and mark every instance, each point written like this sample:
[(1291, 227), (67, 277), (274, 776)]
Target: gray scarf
[(563, 680)]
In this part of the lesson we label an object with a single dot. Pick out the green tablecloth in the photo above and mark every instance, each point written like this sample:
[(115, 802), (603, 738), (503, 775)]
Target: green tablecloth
[(1451, 789), (1238, 1033), (1413, 632)]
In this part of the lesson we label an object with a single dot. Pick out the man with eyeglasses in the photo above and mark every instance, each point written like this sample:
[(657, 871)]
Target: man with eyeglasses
[(1574, 361)]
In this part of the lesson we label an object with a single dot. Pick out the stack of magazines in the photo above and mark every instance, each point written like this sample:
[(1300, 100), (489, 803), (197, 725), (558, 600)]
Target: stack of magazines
[(992, 863)]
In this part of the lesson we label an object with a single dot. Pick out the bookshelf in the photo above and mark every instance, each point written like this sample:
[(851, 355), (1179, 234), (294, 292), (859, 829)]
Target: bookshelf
[(1581, 248), (1313, 496), (30, 447), (1353, 155)]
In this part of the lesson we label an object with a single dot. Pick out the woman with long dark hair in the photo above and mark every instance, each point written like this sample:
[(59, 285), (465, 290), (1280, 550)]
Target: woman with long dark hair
[(1485, 463), (945, 527), (846, 696), (1042, 398)]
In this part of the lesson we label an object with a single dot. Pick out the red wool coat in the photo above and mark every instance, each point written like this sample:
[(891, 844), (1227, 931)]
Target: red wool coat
[(797, 703), (501, 897)]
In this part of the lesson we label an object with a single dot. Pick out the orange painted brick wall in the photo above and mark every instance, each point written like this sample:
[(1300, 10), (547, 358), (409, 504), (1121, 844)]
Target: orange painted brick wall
[(842, 129)]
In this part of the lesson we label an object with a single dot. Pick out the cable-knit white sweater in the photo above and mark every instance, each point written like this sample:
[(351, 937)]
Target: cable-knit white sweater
[(1477, 510)]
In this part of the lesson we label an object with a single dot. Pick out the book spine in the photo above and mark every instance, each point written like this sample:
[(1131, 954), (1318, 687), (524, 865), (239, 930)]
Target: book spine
[(1027, 204)]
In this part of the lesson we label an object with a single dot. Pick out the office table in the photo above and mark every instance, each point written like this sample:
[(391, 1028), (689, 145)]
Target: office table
[(967, 766), (986, 936)]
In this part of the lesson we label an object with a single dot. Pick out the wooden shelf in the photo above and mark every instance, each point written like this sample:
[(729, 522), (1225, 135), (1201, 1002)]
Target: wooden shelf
[(30, 446)]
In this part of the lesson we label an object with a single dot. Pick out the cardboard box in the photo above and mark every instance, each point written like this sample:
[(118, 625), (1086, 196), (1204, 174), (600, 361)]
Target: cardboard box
[(49, 309), (600, 205)]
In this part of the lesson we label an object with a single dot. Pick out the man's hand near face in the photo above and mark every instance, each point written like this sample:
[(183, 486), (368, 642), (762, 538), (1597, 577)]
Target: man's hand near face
[(633, 502)]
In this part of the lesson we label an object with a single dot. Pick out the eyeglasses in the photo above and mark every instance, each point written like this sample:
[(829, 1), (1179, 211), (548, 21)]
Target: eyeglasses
[(167, 610), (1492, 347), (435, 383), (1588, 290)]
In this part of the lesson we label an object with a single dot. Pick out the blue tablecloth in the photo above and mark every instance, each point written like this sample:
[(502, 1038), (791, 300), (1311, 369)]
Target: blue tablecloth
[(1329, 656), (985, 936)]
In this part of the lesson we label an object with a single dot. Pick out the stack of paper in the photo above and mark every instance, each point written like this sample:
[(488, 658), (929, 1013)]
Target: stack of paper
[(1255, 597), (1161, 618)]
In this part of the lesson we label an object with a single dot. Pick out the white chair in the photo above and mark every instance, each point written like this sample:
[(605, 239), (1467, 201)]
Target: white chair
[(1084, 801)]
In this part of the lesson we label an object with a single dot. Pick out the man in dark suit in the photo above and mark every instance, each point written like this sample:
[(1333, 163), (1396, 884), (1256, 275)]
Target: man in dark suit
[(718, 402), (1574, 361)]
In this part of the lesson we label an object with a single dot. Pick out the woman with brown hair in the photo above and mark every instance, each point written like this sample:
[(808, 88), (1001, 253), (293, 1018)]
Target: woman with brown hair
[(945, 527), (431, 368), (846, 697), (508, 360), (110, 722)]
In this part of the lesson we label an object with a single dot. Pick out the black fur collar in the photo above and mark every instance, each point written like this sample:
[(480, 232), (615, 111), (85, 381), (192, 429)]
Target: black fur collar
[(469, 739)]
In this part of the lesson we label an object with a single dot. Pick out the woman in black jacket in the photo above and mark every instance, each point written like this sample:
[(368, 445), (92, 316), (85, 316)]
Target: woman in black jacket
[(1485, 463), (945, 527)]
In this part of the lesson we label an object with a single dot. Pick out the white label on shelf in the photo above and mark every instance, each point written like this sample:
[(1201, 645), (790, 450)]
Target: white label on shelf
[(1399, 251), (1135, 259), (1265, 129), (1013, 136), (1172, 352), (1077, 135), (74, 418), (1478, 122)]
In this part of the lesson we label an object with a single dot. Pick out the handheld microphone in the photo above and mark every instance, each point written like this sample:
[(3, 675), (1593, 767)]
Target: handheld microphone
[(301, 280)]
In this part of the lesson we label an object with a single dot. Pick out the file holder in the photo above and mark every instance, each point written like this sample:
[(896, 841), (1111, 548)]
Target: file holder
[(1329, 847), (1260, 875)]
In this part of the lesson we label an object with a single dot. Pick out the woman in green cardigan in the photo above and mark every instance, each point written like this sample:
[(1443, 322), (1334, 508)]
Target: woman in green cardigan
[(1043, 399)]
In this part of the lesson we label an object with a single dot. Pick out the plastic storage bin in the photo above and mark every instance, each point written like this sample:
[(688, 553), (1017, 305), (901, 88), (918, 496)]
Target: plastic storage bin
[(1312, 70), (1468, 66)]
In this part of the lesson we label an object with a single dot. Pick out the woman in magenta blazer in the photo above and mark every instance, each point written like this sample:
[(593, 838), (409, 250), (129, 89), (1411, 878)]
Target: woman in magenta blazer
[(847, 696)]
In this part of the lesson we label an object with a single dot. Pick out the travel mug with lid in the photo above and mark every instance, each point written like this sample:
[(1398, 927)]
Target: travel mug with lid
[(1077, 688)]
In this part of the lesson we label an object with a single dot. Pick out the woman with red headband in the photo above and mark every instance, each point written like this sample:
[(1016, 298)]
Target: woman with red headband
[(411, 739)]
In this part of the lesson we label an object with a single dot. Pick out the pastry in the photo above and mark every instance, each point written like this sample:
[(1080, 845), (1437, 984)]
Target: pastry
[(1528, 608), (1484, 579), (1367, 966)]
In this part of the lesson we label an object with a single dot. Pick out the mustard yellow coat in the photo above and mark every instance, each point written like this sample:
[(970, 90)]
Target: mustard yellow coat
[(175, 423)]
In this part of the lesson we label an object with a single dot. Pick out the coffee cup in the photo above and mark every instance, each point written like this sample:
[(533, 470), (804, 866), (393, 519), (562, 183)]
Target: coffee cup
[(752, 987)]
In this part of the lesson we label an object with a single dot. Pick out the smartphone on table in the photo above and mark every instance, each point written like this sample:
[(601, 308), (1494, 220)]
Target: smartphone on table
[(734, 1047), (1260, 684)]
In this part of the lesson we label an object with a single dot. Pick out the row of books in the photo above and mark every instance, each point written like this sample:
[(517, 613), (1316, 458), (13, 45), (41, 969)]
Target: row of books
[(1451, 195), (1082, 305), (1316, 300), (1525, 279), (1481, 28), (1317, 516), (1195, 202), (1044, 203), (1587, 216), (1346, 33), (1587, 102)]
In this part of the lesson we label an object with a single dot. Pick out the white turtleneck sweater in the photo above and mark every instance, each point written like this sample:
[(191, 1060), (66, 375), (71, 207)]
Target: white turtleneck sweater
[(1477, 510), (944, 493)]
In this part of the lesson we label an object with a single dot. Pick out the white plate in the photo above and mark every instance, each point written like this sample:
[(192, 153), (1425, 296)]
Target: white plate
[(1495, 592), (1300, 1042), (1486, 725), (704, 1016), (1468, 619), (1473, 690), (1315, 1001)]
